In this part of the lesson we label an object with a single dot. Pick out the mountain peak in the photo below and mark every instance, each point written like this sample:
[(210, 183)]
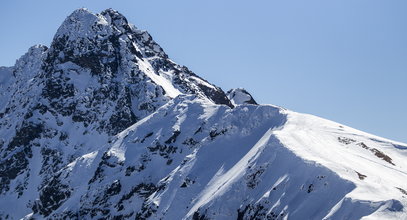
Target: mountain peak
[(107, 45), (82, 23), (80, 12)]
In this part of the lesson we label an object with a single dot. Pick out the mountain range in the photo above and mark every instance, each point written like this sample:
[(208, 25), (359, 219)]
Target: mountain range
[(102, 124)]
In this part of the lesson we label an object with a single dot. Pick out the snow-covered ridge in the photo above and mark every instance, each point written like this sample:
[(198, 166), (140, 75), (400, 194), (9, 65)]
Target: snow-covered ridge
[(102, 124)]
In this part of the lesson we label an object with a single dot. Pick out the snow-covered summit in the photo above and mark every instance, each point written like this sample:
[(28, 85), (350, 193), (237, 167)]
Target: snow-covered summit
[(103, 125), (106, 42), (82, 23)]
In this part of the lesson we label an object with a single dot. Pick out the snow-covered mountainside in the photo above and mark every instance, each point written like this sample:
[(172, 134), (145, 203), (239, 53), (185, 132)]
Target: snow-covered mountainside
[(103, 125)]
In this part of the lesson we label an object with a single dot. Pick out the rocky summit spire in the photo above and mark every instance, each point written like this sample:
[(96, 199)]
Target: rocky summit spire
[(124, 61), (106, 44)]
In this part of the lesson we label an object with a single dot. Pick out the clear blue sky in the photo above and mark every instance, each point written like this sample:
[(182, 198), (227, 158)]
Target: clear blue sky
[(345, 60)]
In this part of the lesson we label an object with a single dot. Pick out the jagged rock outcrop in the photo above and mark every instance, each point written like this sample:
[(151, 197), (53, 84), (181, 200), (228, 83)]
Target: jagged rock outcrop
[(240, 96)]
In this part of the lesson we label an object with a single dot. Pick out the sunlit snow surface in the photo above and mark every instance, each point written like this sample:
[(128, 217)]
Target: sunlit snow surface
[(375, 165), (274, 161)]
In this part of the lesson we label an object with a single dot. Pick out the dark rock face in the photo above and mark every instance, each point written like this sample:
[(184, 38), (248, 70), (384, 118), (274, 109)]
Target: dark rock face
[(51, 197), (27, 133), (13, 166)]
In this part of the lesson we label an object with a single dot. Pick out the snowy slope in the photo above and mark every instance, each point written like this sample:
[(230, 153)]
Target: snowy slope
[(375, 165), (102, 124), (178, 163)]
